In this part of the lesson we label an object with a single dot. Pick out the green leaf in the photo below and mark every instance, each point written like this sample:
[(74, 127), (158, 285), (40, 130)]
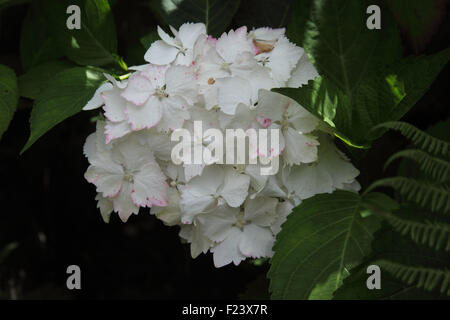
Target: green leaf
[(215, 14), (268, 13), (9, 96), (296, 31), (321, 240), (32, 82), (37, 44), (341, 46), (370, 104), (416, 74), (95, 43), (68, 93)]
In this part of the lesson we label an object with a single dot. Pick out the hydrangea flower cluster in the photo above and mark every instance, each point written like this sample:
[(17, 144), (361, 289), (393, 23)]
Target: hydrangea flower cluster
[(233, 211)]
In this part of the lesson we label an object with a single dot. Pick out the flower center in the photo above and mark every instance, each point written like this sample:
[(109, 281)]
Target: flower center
[(160, 92), (226, 67), (240, 221)]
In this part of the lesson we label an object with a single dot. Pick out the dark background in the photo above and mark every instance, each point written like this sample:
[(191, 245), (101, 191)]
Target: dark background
[(48, 208)]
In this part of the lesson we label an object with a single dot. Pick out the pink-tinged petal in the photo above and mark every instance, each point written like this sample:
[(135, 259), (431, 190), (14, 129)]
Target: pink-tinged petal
[(155, 74), (145, 116), (150, 187), (271, 105), (138, 90), (161, 53), (114, 105), (123, 204), (108, 183)]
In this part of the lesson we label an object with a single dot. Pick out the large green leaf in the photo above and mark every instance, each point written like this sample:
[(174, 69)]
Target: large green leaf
[(95, 43), (343, 48), (321, 240), (37, 44), (376, 99), (215, 14), (268, 13), (9, 96), (32, 82), (68, 93)]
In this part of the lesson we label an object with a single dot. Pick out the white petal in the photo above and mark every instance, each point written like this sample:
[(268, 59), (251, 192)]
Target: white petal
[(189, 33), (218, 223), (283, 59), (123, 204), (235, 187), (106, 207), (300, 118), (174, 113), (299, 147), (271, 106), (114, 105), (138, 90), (261, 211), (303, 72), (231, 44), (267, 34), (160, 145), (107, 182), (180, 80), (283, 210), (227, 251), (145, 116), (115, 130), (192, 170), (165, 37), (307, 180), (150, 187), (96, 101), (257, 242), (161, 53), (233, 91), (170, 214), (333, 161)]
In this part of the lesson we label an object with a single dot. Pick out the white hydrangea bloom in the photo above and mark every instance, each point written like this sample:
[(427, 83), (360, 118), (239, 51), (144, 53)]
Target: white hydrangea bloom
[(231, 210)]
